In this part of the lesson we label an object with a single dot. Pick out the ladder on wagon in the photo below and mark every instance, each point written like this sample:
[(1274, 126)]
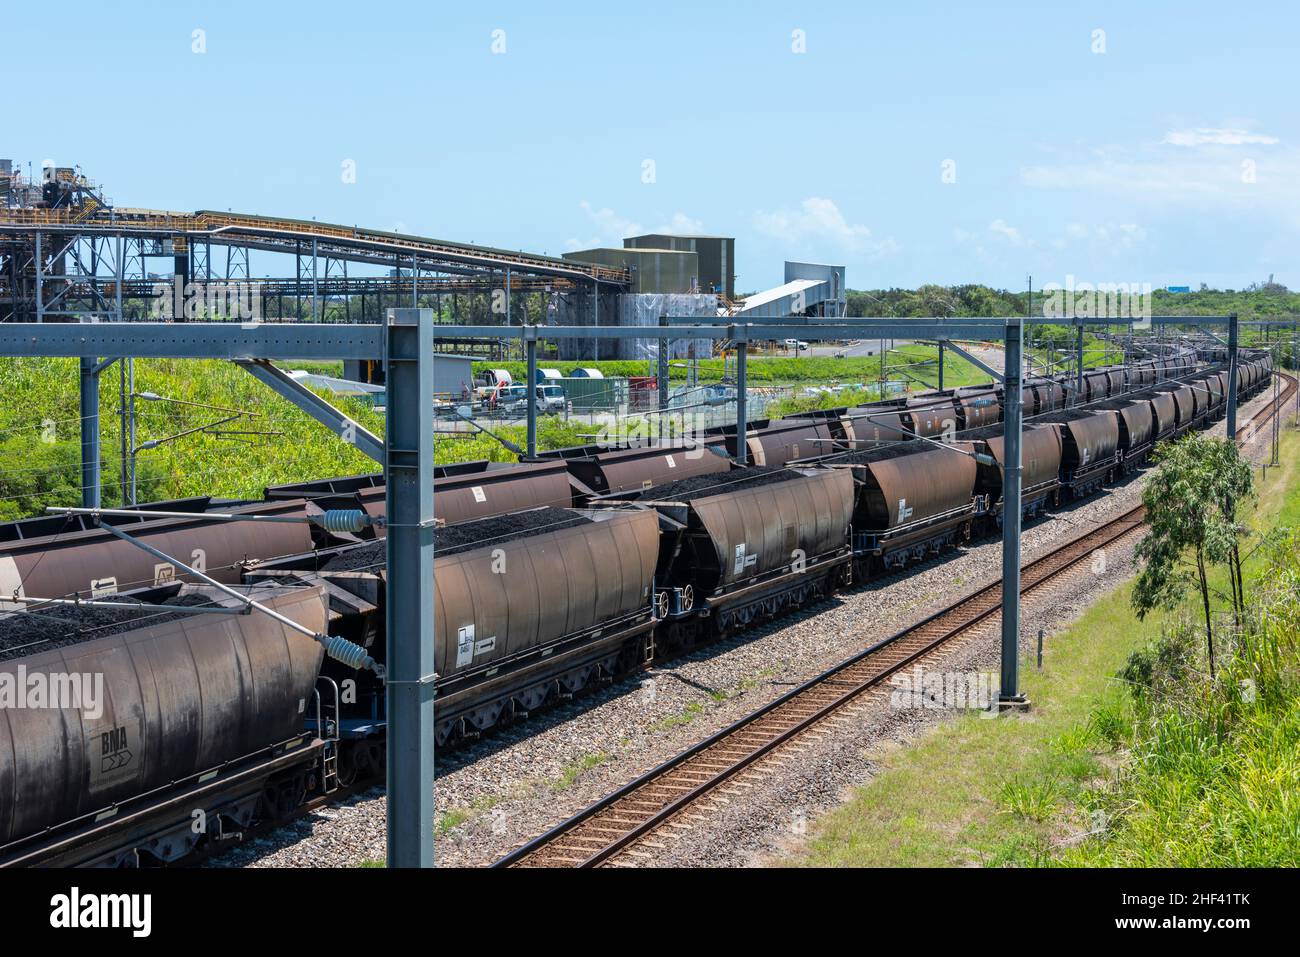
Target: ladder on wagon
[(327, 729)]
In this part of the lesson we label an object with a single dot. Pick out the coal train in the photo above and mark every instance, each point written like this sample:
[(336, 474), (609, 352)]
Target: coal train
[(553, 576)]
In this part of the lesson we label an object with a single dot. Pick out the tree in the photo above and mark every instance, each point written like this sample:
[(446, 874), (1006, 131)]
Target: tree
[(1192, 500)]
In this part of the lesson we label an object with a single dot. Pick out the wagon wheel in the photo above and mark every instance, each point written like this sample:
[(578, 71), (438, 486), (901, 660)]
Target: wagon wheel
[(661, 604)]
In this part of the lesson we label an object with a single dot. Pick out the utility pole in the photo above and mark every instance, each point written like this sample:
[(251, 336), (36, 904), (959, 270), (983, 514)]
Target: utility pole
[(1009, 695), (409, 684), (1232, 377)]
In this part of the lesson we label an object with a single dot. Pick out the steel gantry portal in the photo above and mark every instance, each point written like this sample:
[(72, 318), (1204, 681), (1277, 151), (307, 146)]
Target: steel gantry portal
[(406, 340)]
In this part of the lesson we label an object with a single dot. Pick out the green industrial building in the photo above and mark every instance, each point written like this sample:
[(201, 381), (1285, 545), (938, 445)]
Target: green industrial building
[(653, 270), (717, 257)]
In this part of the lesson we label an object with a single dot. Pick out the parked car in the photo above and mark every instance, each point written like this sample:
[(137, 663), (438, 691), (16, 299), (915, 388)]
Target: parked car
[(549, 398)]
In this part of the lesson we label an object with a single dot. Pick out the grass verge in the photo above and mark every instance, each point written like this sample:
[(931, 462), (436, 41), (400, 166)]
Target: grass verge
[(1024, 790)]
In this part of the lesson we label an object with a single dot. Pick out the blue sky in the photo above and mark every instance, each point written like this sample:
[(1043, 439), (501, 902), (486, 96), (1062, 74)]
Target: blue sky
[(1171, 157)]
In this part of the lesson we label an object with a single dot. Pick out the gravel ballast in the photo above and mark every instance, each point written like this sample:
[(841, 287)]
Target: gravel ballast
[(496, 794)]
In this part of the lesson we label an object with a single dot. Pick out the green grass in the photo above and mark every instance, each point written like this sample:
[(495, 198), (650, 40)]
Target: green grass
[(685, 716), (40, 447), (575, 769), (451, 819), (924, 365), (761, 370), (1040, 788)]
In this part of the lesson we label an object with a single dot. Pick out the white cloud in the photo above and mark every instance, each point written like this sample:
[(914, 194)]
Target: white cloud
[(1000, 235), (1196, 168), (613, 228), (683, 225), (1001, 229), (819, 220), (1213, 136), (1210, 181)]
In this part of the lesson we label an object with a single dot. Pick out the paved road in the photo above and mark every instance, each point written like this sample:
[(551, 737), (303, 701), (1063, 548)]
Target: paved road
[(855, 349)]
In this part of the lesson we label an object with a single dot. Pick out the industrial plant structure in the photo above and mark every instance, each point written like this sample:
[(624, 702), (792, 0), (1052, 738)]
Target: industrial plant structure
[(68, 254)]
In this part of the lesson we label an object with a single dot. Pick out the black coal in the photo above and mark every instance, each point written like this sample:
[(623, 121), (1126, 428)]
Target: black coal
[(464, 536), (46, 627)]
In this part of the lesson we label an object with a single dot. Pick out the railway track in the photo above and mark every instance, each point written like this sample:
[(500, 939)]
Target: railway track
[(601, 833)]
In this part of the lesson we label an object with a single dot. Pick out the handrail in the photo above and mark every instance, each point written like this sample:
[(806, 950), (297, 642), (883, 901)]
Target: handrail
[(232, 224)]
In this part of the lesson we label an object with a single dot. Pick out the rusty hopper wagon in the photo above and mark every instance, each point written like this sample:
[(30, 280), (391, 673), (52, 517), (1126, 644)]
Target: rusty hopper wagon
[(462, 492), (529, 607), (913, 500), (65, 556), (1089, 449), (1164, 414), (934, 415), (1136, 431), (1184, 406), (1142, 374), (748, 544), (600, 471), (1040, 463), (1043, 395), (775, 442), (979, 407), (843, 426), (878, 423), (196, 711), (1096, 386)]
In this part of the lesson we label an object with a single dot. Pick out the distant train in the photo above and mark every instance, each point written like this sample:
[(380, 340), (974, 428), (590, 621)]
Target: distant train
[(553, 576)]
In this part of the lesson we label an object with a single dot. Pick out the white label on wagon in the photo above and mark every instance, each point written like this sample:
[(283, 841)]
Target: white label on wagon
[(102, 587), (478, 494), (464, 646)]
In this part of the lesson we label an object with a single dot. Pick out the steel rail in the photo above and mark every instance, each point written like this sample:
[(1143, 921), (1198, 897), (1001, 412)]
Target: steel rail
[(951, 621), (570, 842)]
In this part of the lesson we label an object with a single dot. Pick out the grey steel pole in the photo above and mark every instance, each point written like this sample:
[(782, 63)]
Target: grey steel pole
[(409, 688), (530, 350), (314, 286), (661, 372), (130, 384), (1078, 380), (121, 275), (1232, 376), (595, 302), (940, 365), (1011, 382), (741, 339), (40, 288), (1277, 404), (124, 481), (89, 434)]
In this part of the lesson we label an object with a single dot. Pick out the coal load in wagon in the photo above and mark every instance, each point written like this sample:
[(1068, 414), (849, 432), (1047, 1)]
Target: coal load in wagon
[(465, 536), (881, 453), (702, 486), (46, 627)]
